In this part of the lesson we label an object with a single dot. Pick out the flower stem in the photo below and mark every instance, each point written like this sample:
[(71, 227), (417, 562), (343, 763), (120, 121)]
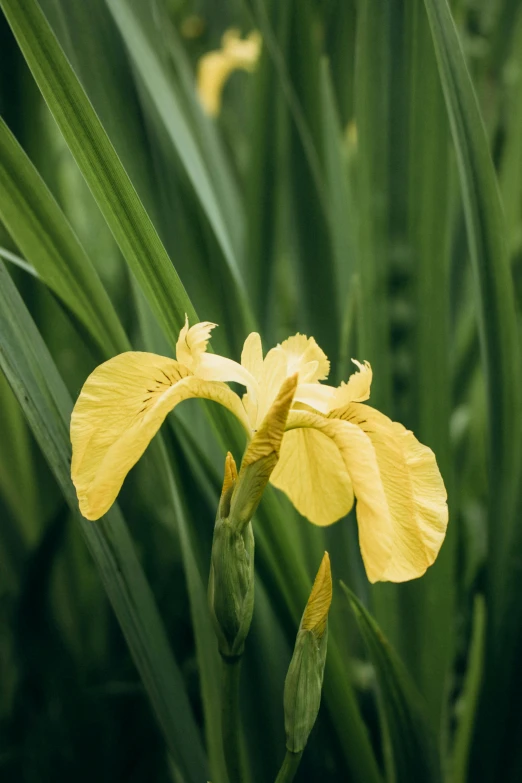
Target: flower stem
[(289, 767), (230, 721)]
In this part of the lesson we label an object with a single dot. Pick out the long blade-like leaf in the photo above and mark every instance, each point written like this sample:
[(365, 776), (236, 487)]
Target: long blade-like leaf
[(39, 227), (486, 238), (501, 360), (413, 747), (132, 25), (31, 373), (100, 166)]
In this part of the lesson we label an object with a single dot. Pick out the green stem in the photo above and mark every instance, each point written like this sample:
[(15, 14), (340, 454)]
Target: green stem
[(289, 767), (230, 722)]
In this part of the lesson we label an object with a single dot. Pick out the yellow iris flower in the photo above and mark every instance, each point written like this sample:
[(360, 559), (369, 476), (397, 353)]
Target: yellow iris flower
[(214, 68), (334, 447)]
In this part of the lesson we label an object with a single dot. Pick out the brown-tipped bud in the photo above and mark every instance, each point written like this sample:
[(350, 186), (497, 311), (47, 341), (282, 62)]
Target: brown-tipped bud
[(261, 456), (304, 681)]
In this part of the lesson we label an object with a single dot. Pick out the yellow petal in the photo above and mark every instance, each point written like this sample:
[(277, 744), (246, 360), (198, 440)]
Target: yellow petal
[(252, 361), (252, 355), (312, 473), (215, 67), (360, 462), (414, 490), (316, 612), (356, 390), (274, 372), (245, 53), (267, 440), (192, 343), (212, 367), (191, 351), (120, 408), (304, 356), (317, 395)]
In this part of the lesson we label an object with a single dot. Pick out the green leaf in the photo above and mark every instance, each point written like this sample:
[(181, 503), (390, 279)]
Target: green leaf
[(494, 287), (41, 231), (35, 381), (424, 402), (343, 218), (500, 350), (412, 745), (372, 109), (312, 214), (100, 166), (470, 693), (143, 51)]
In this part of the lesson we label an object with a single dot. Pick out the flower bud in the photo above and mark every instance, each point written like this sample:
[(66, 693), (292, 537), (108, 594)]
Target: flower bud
[(261, 456), (304, 680), (231, 580)]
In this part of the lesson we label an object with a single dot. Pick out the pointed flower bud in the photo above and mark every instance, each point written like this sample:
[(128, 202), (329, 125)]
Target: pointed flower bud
[(262, 455), (304, 680), (229, 480), (231, 580)]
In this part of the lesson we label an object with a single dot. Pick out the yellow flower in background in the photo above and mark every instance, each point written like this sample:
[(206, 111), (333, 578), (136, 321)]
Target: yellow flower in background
[(335, 447), (215, 67)]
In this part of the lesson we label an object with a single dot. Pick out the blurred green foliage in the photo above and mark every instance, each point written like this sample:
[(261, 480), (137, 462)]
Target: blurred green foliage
[(363, 185)]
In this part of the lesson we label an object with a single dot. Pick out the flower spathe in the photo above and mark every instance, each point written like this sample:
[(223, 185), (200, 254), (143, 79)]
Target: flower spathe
[(335, 447)]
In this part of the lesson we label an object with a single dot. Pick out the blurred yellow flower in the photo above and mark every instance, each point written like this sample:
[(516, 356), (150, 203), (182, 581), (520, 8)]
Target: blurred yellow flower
[(335, 447), (215, 67)]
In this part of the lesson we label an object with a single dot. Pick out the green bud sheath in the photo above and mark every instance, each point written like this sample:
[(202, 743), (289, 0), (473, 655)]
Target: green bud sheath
[(231, 579), (231, 585), (304, 681)]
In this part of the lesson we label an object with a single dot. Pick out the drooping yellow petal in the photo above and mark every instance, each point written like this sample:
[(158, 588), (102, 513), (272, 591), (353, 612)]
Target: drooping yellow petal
[(304, 356), (315, 615), (312, 473), (414, 490), (120, 408), (215, 67), (356, 390), (360, 462)]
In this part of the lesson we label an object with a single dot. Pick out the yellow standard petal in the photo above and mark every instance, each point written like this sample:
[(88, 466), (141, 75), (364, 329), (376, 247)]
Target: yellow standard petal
[(312, 473), (120, 408), (252, 355), (356, 390), (191, 351), (304, 356), (192, 343), (414, 491)]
